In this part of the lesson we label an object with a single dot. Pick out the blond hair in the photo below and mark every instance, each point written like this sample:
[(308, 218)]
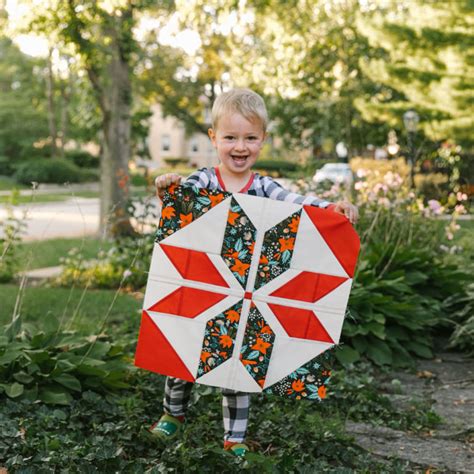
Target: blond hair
[(242, 101)]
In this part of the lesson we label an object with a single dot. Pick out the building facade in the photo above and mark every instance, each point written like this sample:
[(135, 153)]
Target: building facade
[(168, 139)]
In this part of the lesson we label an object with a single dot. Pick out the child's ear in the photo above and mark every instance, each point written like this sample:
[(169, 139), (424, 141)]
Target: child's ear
[(212, 136)]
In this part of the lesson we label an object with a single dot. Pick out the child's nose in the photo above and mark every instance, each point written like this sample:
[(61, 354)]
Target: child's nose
[(240, 144)]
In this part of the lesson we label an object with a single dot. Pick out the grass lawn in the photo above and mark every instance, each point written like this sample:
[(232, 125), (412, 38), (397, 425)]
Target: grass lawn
[(44, 307), (52, 197), (47, 253)]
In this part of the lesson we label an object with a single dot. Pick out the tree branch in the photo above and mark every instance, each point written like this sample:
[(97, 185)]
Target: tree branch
[(75, 28)]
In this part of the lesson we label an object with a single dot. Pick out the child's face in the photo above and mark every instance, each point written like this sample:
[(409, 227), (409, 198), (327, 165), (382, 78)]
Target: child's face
[(238, 142)]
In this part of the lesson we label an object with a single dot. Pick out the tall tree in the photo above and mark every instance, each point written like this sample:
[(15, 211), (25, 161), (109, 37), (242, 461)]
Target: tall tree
[(23, 115), (302, 55), (429, 50), (102, 35)]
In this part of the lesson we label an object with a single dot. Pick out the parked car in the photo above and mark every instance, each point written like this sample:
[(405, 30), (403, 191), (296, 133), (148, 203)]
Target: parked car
[(334, 172)]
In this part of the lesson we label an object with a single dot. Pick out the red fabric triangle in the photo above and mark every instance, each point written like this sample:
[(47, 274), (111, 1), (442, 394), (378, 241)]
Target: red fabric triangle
[(155, 353), (301, 323), (309, 286), (194, 265), (187, 302), (316, 330), (339, 234)]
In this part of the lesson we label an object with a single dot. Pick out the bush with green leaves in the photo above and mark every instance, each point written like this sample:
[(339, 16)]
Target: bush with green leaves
[(49, 170), (56, 366), (82, 158), (11, 228), (6, 166), (125, 264), (278, 167), (404, 289), (108, 433), (400, 289)]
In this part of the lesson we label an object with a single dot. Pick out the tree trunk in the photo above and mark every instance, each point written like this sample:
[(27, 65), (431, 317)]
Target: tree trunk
[(51, 106), (114, 216)]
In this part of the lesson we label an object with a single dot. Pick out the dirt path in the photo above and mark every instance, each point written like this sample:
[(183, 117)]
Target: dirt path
[(448, 383)]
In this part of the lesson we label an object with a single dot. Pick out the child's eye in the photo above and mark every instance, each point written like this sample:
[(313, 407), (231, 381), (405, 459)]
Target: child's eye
[(252, 138), (228, 137)]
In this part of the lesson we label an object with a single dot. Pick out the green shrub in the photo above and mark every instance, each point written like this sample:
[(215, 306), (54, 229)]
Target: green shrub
[(176, 161), (83, 159), (125, 264), (432, 185), (53, 367), (11, 229), (6, 166), (276, 167), (137, 179), (48, 170)]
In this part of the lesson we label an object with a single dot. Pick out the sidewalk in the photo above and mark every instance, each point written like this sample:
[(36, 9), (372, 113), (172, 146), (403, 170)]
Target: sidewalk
[(447, 382), (56, 189)]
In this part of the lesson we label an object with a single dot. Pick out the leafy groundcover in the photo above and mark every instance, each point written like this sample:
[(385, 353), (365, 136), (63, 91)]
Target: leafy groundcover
[(104, 429)]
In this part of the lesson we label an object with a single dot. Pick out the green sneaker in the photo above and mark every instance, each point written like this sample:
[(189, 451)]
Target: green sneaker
[(239, 449), (167, 427)]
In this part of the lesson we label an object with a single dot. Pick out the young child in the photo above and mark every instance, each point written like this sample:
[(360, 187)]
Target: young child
[(239, 123)]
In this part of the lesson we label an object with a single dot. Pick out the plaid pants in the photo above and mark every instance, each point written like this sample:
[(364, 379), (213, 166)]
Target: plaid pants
[(235, 407)]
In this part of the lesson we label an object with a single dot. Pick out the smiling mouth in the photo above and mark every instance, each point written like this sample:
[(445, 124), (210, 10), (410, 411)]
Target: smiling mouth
[(239, 158)]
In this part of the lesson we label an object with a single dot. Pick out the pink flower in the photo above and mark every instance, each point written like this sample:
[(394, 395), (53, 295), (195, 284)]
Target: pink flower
[(435, 206)]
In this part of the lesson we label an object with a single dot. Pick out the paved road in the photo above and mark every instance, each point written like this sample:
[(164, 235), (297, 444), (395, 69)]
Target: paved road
[(72, 218)]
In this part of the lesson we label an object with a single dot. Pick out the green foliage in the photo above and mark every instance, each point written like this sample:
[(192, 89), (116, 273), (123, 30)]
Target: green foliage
[(434, 73), (53, 367), (43, 307), (98, 433), (11, 228), (404, 288), (462, 318), (176, 161), (278, 167), (50, 170), (432, 186), (22, 119), (6, 166), (126, 263), (82, 158), (48, 253)]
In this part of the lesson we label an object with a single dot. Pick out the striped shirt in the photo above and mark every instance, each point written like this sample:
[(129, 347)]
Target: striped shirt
[(262, 186)]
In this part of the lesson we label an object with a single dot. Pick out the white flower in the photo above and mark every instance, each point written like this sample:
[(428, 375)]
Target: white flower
[(127, 273)]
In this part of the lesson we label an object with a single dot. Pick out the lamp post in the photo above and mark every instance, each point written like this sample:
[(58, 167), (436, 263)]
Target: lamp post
[(410, 120)]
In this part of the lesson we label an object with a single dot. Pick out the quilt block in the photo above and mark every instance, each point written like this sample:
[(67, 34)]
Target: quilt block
[(245, 292)]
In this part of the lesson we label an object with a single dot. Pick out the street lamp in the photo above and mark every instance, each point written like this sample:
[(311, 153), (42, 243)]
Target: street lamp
[(410, 120)]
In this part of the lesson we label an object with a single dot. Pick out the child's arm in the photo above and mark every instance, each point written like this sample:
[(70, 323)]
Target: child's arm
[(273, 190)]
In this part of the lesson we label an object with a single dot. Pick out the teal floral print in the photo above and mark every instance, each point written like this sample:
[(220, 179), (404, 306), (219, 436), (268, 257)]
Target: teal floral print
[(277, 249), (238, 243), (183, 205), (257, 346), (219, 339), (308, 382)]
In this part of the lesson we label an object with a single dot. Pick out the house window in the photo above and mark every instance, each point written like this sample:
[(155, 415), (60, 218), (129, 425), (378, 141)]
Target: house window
[(194, 145), (165, 142)]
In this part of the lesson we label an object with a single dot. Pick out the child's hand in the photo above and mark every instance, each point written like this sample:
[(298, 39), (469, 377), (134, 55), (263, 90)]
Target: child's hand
[(346, 209), (165, 180)]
